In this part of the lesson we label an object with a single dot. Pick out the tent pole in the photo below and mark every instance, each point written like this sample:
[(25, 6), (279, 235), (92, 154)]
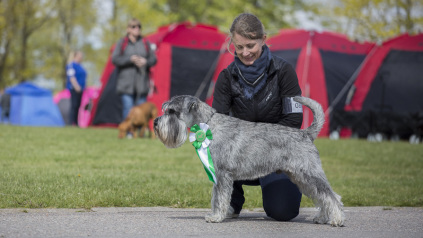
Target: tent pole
[(350, 82), (305, 76), (210, 72)]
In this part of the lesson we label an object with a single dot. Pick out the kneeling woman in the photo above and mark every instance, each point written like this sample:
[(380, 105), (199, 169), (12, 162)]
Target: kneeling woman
[(258, 87)]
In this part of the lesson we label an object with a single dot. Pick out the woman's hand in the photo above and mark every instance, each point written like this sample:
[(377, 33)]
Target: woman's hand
[(75, 85), (138, 61)]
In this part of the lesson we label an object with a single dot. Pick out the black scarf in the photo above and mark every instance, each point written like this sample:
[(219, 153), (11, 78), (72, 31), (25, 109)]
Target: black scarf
[(254, 77)]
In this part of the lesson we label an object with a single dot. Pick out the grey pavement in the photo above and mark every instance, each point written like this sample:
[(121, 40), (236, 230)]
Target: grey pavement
[(157, 222)]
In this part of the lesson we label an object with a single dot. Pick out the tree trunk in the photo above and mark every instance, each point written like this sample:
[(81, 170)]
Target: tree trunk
[(22, 62)]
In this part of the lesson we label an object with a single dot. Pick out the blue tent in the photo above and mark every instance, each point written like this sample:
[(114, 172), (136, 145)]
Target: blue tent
[(31, 105)]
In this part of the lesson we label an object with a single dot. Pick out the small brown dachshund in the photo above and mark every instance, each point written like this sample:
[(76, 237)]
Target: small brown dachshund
[(138, 118)]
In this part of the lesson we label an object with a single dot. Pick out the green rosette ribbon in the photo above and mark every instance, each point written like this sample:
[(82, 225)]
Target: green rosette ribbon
[(200, 137)]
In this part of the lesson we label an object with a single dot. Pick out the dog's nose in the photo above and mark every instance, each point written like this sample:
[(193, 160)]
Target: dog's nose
[(156, 121)]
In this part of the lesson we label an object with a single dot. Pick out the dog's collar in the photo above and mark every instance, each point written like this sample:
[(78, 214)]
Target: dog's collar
[(210, 118)]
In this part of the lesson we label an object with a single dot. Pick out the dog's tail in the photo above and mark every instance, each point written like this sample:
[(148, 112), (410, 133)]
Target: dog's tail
[(319, 116)]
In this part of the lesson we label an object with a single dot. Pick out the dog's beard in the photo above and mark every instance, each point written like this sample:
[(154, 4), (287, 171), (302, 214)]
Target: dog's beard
[(171, 132)]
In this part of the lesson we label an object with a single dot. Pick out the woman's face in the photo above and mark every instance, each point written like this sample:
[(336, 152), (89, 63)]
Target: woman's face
[(79, 56), (134, 29), (246, 49)]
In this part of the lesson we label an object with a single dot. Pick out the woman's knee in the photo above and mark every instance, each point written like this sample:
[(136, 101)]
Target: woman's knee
[(282, 213), (281, 198)]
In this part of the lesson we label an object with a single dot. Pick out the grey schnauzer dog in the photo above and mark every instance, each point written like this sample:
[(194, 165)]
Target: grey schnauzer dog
[(243, 150)]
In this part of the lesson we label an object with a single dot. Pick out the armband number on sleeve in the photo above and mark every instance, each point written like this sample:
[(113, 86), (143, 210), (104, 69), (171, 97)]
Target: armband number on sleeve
[(291, 106)]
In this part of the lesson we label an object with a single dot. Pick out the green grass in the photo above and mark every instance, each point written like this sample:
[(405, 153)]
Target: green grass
[(83, 168)]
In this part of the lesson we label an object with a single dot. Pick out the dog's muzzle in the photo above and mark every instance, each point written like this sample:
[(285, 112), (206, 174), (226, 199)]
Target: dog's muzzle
[(170, 131)]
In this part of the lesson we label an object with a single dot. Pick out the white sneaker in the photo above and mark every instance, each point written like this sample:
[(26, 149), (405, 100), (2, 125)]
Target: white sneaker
[(231, 213)]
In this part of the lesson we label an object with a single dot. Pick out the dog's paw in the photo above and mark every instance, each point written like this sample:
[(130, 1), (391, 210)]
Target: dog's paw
[(213, 218), (336, 223), (320, 218), (337, 219)]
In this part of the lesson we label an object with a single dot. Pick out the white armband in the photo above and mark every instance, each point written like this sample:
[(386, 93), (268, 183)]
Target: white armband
[(291, 106), (70, 72)]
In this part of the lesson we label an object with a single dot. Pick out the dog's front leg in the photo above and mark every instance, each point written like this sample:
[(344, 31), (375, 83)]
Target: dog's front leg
[(133, 131), (142, 131), (220, 202)]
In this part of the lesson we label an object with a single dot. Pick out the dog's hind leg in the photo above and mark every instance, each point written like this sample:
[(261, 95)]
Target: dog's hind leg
[(220, 202), (331, 210), (152, 134), (315, 185)]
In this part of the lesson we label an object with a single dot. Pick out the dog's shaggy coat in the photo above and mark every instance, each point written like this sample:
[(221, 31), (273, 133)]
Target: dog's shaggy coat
[(243, 150)]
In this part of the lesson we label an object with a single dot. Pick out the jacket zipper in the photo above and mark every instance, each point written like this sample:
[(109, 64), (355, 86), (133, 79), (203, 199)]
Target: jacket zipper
[(255, 106)]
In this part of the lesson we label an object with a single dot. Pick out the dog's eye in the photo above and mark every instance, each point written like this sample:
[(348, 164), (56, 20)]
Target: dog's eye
[(172, 111)]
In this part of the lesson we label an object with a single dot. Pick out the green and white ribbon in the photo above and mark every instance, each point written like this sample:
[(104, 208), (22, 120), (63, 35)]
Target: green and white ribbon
[(200, 136)]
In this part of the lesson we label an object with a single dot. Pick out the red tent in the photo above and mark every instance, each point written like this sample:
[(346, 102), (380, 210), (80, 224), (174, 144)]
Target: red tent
[(106, 107), (186, 58), (225, 59), (387, 96), (324, 62)]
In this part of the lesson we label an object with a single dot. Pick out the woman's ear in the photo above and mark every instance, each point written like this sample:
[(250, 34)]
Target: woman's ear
[(264, 39)]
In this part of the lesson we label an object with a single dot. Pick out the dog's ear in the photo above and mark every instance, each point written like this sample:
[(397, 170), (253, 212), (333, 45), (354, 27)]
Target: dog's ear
[(164, 106), (192, 106)]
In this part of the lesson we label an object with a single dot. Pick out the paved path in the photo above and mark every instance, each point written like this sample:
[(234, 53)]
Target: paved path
[(157, 222)]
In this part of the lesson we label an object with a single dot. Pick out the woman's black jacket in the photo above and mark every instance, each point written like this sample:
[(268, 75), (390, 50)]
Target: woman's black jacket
[(267, 104)]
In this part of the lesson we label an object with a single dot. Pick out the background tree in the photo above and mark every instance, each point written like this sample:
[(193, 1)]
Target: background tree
[(75, 18), (31, 16), (7, 32), (36, 36), (154, 13), (374, 20)]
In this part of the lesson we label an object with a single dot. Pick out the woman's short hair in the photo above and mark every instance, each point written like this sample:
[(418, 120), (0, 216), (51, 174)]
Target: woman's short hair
[(247, 25), (134, 22), (72, 55)]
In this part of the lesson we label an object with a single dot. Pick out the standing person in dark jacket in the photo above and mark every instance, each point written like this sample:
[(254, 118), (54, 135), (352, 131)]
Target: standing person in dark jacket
[(4, 106), (133, 57), (259, 87), (76, 80)]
